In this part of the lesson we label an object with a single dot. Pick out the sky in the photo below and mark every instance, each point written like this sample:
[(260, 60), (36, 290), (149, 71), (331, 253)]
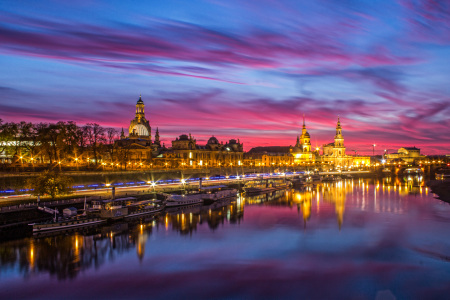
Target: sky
[(247, 70)]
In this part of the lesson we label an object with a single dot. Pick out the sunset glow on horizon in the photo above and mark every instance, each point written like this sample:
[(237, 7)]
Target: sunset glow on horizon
[(245, 70)]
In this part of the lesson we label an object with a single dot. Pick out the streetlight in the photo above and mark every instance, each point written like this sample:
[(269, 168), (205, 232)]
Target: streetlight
[(373, 151)]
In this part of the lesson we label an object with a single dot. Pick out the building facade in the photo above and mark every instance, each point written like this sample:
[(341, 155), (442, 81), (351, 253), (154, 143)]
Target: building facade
[(185, 153), (334, 153), (302, 151), (407, 154)]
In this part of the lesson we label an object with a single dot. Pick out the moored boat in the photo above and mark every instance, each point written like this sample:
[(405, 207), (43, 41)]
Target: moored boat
[(187, 199), (144, 208), (66, 223), (206, 195), (215, 193), (266, 185)]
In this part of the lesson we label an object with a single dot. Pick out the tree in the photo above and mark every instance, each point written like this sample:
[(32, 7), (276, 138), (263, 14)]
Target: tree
[(112, 135), (50, 183), (8, 134), (96, 137)]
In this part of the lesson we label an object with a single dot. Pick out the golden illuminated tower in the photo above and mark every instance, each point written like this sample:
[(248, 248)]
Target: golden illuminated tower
[(140, 126), (302, 150), (140, 109), (305, 138), (339, 149)]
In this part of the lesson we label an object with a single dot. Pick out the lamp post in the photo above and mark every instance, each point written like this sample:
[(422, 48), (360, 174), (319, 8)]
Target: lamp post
[(373, 150)]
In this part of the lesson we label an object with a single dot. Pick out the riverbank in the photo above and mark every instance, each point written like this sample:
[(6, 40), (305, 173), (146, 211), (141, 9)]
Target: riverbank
[(441, 188)]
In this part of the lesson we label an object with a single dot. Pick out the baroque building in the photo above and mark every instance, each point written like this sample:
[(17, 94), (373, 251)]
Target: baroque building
[(334, 153), (302, 149), (139, 149), (185, 152), (407, 154), (140, 126), (271, 156)]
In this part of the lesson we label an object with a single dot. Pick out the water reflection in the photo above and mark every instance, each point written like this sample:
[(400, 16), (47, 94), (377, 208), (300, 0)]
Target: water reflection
[(65, 255), (325, 208)]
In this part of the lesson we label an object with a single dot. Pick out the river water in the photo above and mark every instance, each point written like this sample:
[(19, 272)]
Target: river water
[(353, 239)]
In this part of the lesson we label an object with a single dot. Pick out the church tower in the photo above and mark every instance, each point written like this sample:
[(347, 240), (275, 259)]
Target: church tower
[(140, 126), (302, 151), (157, 141), (305, 138), (339, 149), (140, 109)]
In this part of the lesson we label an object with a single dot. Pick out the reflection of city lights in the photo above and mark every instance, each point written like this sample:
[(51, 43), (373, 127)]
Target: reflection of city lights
[(32, 257)]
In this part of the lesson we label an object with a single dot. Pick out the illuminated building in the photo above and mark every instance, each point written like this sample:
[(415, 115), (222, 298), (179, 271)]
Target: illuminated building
[(185, 152), (137, 147), (334, 153), (272, 156), (302, 149), (407, 154), (140, 126)]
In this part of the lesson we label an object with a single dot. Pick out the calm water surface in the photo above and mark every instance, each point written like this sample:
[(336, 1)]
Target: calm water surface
[(354, 239)]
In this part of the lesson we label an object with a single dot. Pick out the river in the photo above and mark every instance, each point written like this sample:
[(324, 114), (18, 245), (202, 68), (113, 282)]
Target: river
[(351, 239)]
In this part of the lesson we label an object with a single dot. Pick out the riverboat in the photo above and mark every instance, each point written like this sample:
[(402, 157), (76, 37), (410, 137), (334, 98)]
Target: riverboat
[(215, 193), (128, 207), (300, 181), (66, 223), (187, 199), (113, 209), (206, 195), (145, 207), (262, 185), (101, 212)]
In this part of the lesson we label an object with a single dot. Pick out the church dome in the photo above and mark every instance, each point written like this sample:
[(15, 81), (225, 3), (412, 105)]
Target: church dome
[(213, 140), (140, 100), (140, 129)]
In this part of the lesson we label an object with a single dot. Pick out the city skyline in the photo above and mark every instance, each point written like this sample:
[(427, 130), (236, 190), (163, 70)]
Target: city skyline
[(235, 70)]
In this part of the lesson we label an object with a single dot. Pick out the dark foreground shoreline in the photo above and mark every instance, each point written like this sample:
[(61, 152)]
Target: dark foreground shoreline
[(441, 188)]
